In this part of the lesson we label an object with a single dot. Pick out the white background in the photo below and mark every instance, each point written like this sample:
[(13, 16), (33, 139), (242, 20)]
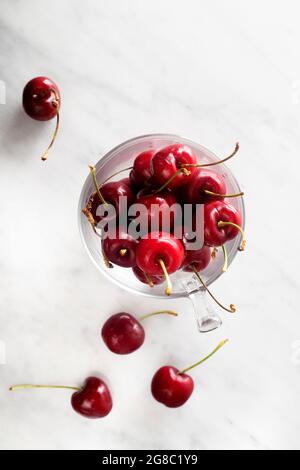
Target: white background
[(213, 71)]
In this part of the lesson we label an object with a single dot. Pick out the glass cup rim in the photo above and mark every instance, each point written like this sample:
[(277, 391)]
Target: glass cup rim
[(102, 161)]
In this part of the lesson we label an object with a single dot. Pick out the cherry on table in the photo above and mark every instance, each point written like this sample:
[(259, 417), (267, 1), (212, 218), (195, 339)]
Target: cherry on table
[(123, 333), (41, 101), (173, 387), (92, 400)]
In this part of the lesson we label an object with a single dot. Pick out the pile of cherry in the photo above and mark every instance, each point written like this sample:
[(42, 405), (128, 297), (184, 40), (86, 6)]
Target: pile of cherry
[(157, 178), (160, 179)]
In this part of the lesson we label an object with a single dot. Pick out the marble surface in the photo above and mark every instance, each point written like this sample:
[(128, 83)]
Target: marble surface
[(213, 71)]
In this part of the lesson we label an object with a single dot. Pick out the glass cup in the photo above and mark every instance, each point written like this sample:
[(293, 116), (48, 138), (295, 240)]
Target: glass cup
[(184, 284)]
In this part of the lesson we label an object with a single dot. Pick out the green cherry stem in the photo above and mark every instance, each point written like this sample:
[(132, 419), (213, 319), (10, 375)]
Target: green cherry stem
[(225, 264), (222, 224), (211, 193), (197, 165), (220, 345), (168, 312), (22, 386), (231, 309), (94, 176)]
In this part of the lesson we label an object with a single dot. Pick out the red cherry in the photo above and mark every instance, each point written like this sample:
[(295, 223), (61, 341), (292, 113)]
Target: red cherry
[(200, 184), (158, 209), (222, 222), (160, 253), (93, 400), (140, 174), (123, 333), (168, 161), (41, 99), (199, 258), (146, 278), (172, 387), (159, 245), (121, 249), (109, 193)]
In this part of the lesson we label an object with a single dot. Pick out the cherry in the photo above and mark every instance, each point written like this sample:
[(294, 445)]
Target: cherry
[(140, 173), (146, 278), (188, 168), (121, 249), (92, 400), (199, 258), (123, 333), (108, 193), (41, 101), (169, 160), (172, 387), (222, 222), (159, 253), (158, 209), (201, 185)]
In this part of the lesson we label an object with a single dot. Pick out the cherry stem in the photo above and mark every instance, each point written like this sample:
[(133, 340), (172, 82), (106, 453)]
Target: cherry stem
[(197, 165), (94, 176), (167, 277), (181, 170), (168, 312), (211, 193), (123, 251), (22, 386), (44, 157), (116, 174), (220, 345), (231, 224), (148, 279), (214, 252), (225, 264), (231, 309), (90, 217), (107, 263)]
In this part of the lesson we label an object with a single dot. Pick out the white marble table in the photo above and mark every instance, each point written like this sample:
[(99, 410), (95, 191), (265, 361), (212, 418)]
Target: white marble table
[(213, 71)]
